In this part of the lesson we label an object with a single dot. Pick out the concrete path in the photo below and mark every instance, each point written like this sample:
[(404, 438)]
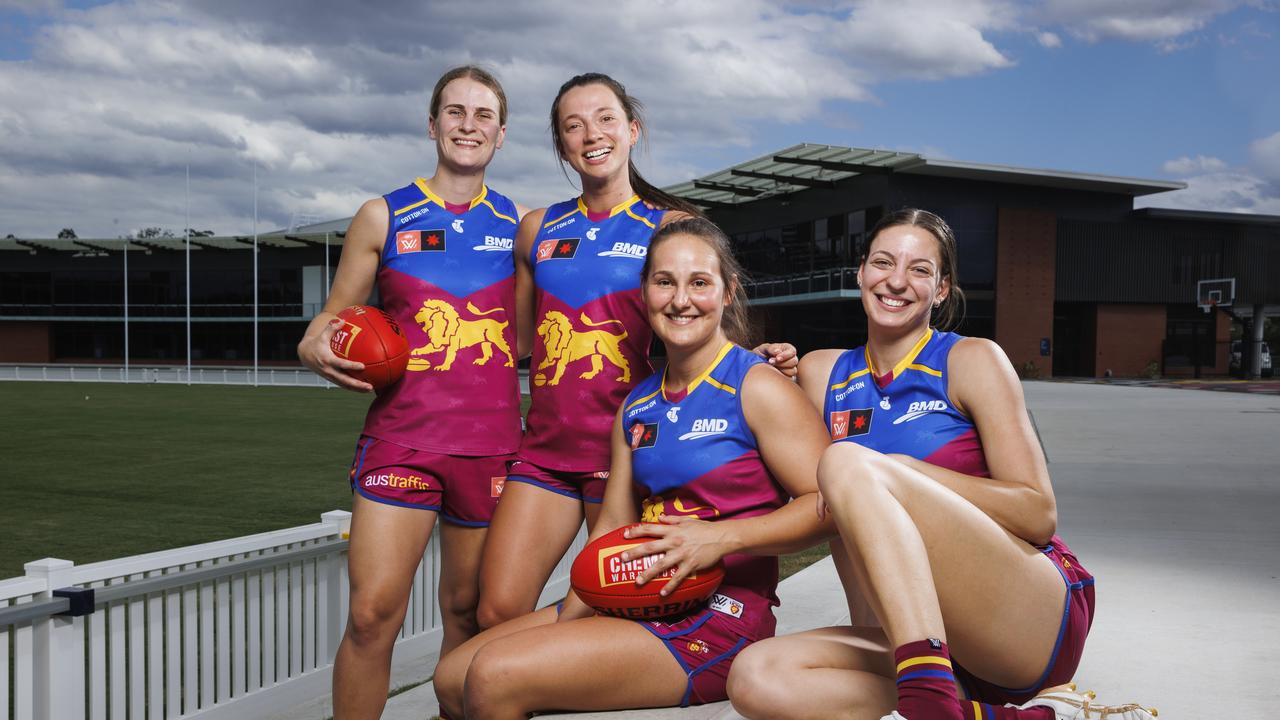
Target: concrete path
[(1170, 497)]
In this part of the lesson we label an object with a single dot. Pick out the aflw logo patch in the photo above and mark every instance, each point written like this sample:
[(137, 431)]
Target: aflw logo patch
[(558, 249), (412, 241), (847, 423), (626, 250), (644, 435), (920, 409), (706, 427)]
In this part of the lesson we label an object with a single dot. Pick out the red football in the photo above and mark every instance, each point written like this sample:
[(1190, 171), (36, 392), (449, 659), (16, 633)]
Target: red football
[(602, 580), (370, 336)]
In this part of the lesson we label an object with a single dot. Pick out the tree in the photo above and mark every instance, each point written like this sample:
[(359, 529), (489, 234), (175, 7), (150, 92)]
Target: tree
[(200, 233), (67, 234), (150, 233)]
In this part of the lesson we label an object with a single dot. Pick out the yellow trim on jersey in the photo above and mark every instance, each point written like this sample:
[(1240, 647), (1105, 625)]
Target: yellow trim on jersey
[(922, 660), (646, 398), (431, 197), (977, 710), (856, 374), (549, 223), (637, 217), (705, 374), (483, 199), (909, 360), (925, 369)]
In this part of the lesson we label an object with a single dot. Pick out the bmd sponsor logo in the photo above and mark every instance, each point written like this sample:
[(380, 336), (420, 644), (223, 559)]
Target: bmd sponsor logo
[(706, 427), (493, 243), (626, 250), (919, 409)]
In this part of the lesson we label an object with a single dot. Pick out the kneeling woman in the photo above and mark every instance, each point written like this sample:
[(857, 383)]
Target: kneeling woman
[(941, 495), (720, 494)]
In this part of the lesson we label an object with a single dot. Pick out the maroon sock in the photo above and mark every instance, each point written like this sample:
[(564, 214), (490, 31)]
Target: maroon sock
[(926, 685)]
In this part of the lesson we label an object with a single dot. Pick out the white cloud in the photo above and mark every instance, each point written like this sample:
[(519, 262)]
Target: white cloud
[(1189, 166), (1133, 20), (1213, 185), (928, 39), (1048, 40), (1232, 191), (1266, 156)]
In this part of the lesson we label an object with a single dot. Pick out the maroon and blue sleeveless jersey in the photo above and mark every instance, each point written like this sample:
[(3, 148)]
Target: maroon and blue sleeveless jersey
[(449, 281), (911, 414), (593, 335), (694, 455)]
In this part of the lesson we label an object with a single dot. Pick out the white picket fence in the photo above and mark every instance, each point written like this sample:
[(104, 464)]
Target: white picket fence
[(168, 374), (240, 628)]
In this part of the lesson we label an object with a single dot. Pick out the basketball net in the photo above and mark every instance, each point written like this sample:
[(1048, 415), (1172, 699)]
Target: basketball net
[(1213, 304)]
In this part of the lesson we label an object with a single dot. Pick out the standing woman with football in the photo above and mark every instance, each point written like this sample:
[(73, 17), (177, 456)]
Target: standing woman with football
[(941, 493), (436, 443), (578, 284), (699, 443)]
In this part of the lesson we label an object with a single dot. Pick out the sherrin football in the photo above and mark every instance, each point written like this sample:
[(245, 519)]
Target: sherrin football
[(370, 336), (602, 580)]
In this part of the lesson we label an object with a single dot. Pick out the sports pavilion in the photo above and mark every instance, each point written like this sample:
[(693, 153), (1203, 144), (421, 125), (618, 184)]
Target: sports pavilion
[(1059, 268)]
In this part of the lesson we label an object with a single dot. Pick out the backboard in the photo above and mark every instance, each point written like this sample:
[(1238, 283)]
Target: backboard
[(1219, 292)]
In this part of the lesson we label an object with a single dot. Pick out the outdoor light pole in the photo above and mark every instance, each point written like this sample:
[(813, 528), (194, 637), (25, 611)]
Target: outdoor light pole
[(187, 235), (126, 310), (255, 273)]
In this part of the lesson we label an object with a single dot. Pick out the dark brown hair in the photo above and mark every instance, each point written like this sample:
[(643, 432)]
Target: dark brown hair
[(947, 315), (632, 107), (480, 75), (735, 322)]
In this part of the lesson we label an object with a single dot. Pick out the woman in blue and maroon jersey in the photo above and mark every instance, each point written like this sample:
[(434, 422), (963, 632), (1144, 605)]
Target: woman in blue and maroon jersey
[(941, 493), (698, 443), (578, 286), (436, 443)]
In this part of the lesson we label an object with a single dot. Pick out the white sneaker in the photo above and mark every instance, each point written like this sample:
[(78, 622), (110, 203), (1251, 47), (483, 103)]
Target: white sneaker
[(1068, 704)]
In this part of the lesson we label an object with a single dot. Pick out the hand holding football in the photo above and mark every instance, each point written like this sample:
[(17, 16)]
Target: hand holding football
[(601, 579)]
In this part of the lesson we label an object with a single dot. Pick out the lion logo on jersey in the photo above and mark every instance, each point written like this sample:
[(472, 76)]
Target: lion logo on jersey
[(447, 332), (653, 508), (566, 345)]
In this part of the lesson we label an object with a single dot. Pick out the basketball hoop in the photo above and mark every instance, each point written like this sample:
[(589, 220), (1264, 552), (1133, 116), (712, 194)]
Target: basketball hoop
[(1213, 304)]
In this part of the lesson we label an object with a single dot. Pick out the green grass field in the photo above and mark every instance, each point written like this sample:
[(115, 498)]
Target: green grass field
[(94, 471)]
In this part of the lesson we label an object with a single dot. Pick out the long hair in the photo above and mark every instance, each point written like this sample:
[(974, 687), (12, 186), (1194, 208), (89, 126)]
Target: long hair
[(480, 75), (632, 107), (735, 321), (947, 315)]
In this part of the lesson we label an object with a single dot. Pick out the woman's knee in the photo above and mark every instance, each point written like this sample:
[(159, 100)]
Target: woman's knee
[(459, 601), (491, 680), (847, 469), (498, 607), (755, 679), (375, 616), (450, 674)]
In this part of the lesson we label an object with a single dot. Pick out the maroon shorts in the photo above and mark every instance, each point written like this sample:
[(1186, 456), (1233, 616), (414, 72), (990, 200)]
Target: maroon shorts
[(464, 490), (584, 486), (706, 640), (1077, 617)]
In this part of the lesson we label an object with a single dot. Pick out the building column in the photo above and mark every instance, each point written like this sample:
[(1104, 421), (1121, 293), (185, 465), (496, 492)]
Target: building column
[(1255, 344), (1026, 258)]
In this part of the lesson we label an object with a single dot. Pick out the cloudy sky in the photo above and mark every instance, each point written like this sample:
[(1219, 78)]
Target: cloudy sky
[(104, 106)]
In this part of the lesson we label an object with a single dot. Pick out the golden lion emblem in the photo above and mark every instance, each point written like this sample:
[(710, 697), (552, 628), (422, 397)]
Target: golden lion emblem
[(566, 345), (654, 507), (447, 332)]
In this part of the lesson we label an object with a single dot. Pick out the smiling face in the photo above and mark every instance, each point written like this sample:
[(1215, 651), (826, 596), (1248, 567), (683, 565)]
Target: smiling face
[(467, 128), (685, 293), (901, 278), (593, 132)]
